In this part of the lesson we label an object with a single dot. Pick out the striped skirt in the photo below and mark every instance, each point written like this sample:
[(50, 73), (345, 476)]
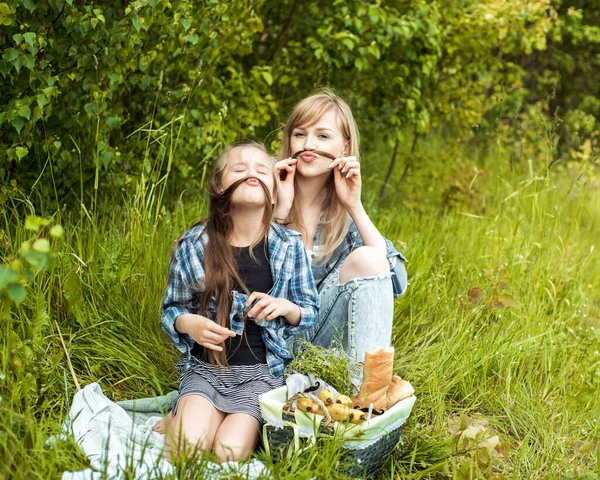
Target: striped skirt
[(233, 389)]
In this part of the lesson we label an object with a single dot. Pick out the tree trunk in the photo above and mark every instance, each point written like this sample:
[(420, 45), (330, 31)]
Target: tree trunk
[(388, 175)]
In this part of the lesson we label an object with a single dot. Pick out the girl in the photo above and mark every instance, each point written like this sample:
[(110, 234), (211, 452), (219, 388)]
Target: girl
[(357, 271), (239, 287)]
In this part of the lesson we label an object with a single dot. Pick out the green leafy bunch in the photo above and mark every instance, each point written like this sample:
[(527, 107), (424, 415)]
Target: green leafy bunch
[(330, 364)]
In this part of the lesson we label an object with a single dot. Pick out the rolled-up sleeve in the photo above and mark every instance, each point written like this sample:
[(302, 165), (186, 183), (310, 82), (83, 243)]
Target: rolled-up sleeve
[(302, 289), (179, 295), (399, 276)]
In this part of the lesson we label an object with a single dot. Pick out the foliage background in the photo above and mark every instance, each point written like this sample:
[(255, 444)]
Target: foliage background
[(479, 146)]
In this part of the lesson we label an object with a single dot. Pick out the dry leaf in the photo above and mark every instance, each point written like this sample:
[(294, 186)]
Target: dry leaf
[(588, 447), (506, 300), (464, 421), (474, 294)]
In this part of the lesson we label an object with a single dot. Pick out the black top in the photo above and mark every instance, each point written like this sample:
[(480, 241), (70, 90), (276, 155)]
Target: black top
[(248, 348)]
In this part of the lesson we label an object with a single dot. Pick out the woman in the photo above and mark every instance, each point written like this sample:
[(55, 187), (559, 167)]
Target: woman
[(357, 271)]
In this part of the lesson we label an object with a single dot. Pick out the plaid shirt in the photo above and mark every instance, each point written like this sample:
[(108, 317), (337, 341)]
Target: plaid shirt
[(351, 242), (292, 279)]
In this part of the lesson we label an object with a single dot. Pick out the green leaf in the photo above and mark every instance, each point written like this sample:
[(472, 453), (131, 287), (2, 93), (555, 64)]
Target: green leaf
[(28, 60), (18, 123), (41, 245), (35, 223), (16, 292), (10, 54), (29, 5), (267, 76), (42, 100), (7, 276), (25, 111), (17, 37), (186, 24), (57, 231), (21, 152)]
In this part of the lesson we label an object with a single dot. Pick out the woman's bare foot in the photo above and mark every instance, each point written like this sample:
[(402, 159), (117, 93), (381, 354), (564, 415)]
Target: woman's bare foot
[(162, 425)]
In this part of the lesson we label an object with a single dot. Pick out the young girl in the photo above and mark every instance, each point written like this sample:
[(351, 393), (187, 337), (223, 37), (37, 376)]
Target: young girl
[(357, 271), (239, 287)]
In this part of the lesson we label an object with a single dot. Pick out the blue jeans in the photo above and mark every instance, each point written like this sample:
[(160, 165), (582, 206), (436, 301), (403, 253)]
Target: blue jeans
[(359, 312)]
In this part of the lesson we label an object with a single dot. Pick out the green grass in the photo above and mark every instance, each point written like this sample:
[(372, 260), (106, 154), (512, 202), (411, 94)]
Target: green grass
[(530, 375)]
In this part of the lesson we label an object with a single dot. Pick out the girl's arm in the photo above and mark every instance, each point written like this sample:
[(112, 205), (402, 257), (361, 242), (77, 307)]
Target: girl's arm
[(178, 298), (182, 324)]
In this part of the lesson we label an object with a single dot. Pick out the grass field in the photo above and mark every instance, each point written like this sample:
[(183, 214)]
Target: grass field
[(499, 331)]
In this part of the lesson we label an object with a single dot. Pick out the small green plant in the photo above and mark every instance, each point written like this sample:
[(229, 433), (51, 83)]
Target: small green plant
[(35, 255), (330, 364)]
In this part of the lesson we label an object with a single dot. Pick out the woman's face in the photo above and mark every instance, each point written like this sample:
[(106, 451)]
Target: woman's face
[(248, 162), (324, 135)]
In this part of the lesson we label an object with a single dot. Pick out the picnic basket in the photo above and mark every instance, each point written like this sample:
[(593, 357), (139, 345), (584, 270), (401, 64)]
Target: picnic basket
[(366, 446)]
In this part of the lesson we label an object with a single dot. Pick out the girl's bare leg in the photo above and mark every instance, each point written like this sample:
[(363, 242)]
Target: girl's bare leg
[(193, 428), (163, 424), (236, 437)]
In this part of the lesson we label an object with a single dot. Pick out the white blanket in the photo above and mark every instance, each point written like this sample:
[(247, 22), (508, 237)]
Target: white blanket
[(114, 443)]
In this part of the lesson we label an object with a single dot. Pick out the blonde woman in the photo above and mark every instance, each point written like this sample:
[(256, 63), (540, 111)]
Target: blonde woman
[(357, 271)]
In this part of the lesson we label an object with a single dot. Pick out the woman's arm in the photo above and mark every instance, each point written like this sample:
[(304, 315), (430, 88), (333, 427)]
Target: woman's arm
[(367, 229), (348, 185)]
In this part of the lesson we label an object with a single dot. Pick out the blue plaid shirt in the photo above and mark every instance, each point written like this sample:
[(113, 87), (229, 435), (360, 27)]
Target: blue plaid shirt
[(292, 279), (351, 242)]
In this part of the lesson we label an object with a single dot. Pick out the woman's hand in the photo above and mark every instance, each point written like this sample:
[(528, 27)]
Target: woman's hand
[(346, 173), (269, 308), (203, 330), (285, 188)]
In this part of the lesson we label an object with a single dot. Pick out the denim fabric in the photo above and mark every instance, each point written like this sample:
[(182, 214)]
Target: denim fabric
[(352, 241), (359, 313)]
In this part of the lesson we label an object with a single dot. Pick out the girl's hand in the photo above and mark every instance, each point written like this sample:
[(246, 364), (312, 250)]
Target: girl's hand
[(268, 307), (203, 330), (348, 183), (285, 188)]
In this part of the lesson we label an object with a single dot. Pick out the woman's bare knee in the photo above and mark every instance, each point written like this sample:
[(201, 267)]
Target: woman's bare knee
[(237, 437), (364, 262)]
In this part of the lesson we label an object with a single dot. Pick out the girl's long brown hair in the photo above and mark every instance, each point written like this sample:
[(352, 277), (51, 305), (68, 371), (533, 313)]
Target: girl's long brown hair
[(219, 262)]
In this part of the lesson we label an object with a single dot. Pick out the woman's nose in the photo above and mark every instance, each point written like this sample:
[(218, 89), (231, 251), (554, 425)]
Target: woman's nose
[(309, 143)]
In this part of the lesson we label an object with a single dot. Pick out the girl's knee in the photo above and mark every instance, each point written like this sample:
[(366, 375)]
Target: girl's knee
[(364, 262), (232, 453)]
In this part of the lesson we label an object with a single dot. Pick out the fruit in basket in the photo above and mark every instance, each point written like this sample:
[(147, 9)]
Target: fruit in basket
[(326, 396), (357, 416), (344, 400), (339, 412), (307, 405)]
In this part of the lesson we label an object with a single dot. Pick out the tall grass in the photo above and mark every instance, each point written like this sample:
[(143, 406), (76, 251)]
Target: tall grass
[(474, 236)]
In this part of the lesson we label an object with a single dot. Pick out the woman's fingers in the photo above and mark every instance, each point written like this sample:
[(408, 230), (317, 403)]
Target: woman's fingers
[(353, 172), (268, 310), (348, 165), (342, 162)]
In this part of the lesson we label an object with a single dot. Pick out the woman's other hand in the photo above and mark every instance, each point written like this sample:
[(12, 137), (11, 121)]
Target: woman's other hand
[(285, 188), (269, 308), (203, 330), (348, 182)]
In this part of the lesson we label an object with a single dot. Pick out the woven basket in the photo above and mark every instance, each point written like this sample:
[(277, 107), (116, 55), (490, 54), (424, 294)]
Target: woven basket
[(360, 461)]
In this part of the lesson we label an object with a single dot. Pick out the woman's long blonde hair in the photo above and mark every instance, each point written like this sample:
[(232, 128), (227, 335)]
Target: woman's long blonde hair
[(335, 219)]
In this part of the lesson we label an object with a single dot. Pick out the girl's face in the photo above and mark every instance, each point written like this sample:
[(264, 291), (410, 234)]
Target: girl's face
[(248, 162), (324, 135)]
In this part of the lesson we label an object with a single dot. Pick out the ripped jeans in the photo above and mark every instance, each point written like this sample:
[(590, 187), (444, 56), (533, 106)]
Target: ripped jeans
[(359, 313)]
